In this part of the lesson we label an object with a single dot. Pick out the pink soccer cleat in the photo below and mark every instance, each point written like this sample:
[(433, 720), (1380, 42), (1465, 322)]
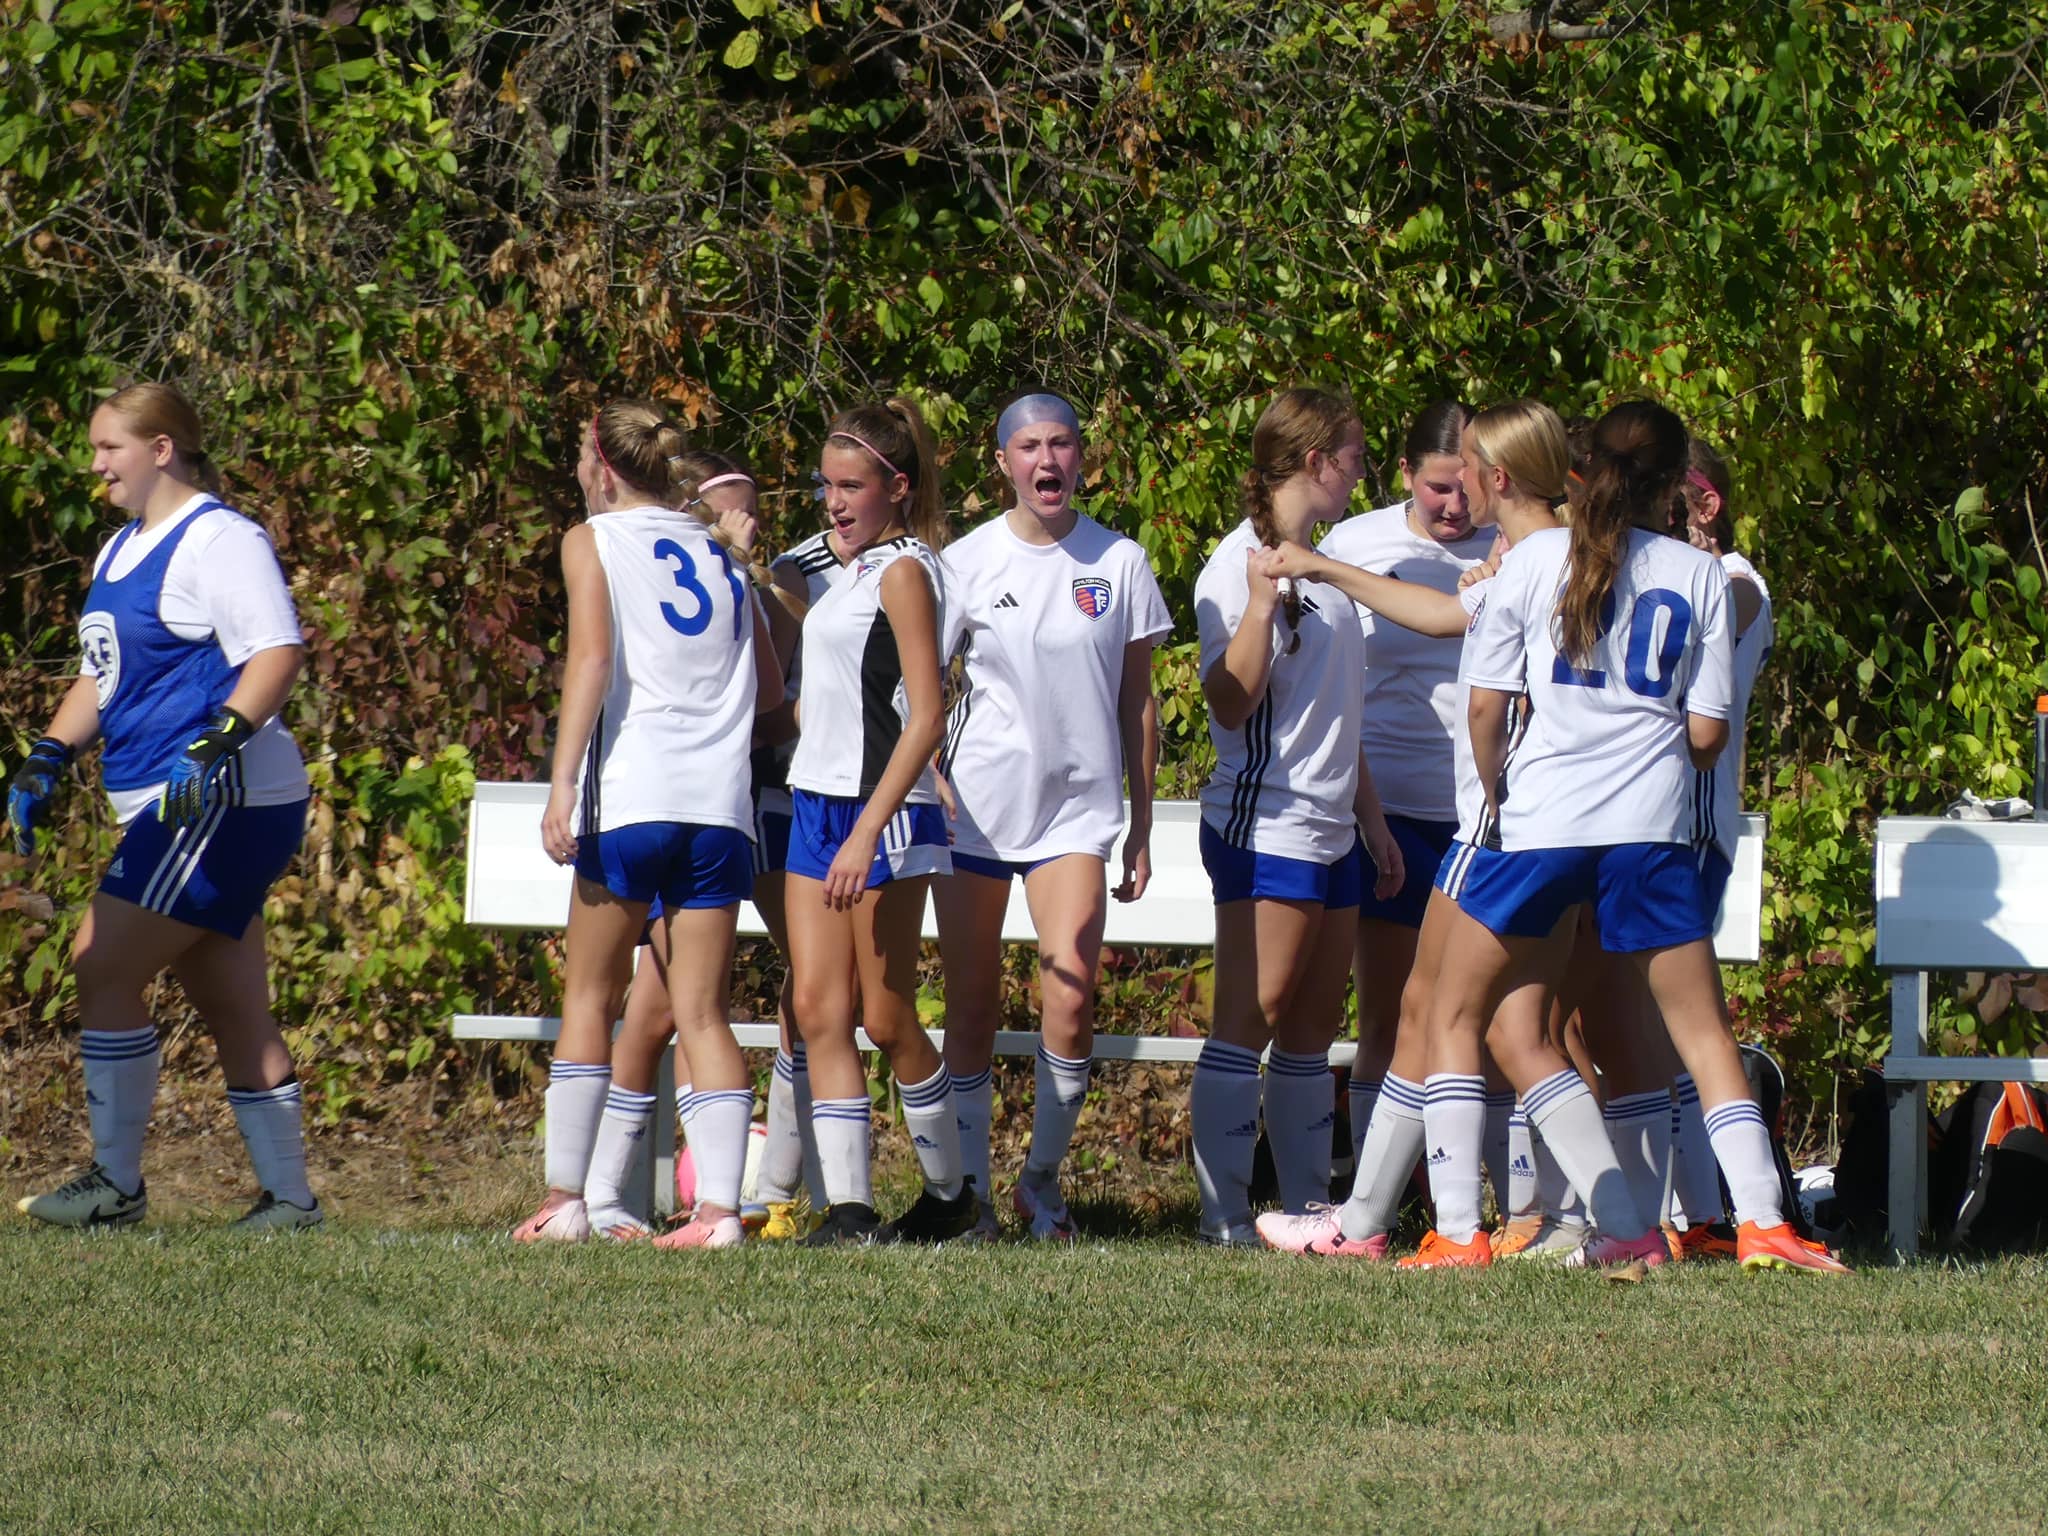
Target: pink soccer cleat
[(705, 1232), (562, 1218), (1319, 1233)]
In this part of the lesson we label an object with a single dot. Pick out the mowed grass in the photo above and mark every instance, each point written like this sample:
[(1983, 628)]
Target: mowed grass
[(174, 1378)]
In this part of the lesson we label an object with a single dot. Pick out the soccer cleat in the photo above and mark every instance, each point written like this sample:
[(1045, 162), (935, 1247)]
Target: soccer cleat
[(1439, 1252), (1780, 1247), (1602, 1252), (562, 1218), (1044, 1210), (1674, 1241), (753, 1215), (704, 1232), (987, 1228), (1231, 1234), (88, 1200), (1708, 1240), (1319, 1233), (1514, 1235), (785, 1222), (616, 1223), (270, 1214), (1549, 1240), (847, 1222), (933, 1220)]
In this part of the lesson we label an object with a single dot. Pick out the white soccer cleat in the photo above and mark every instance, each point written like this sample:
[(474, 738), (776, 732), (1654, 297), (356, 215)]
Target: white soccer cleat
[(616, 1223), (1044, 1210), (89, 1199), (560, 1219)]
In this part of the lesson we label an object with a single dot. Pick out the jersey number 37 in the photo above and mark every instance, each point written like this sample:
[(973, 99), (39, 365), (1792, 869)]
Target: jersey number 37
[(685, 573)]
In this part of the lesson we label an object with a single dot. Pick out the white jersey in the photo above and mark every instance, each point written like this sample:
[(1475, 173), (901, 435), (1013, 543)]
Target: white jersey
[(673, 734), (1602, 755), (221, 582), (853, 703), (817, 567), (1411, 680), (1471, 797), (1032, 745), (1286, 782), (1718, 791)]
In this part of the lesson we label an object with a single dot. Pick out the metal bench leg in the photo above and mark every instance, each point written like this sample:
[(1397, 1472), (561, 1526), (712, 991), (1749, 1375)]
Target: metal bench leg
[(1907, 1202)]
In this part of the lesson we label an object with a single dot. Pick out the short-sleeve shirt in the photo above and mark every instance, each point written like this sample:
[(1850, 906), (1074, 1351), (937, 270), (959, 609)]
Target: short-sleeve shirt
[(1286, 781), (1033, 748), (1719, 788), (1603, 757), (1411, 680)]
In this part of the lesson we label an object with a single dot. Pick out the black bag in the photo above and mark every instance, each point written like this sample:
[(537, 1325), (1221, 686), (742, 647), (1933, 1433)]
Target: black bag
[(1987, 1177)]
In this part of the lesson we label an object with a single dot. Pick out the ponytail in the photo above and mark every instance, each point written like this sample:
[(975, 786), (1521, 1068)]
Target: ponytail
[(1298, 422), (896, 436), (1633, 474), (644, 447)]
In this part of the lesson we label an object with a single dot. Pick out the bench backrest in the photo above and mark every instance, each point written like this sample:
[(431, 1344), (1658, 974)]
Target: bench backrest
[(512, 883), (1961, 895)]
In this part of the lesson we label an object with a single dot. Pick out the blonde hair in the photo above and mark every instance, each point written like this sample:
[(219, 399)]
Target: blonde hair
[(1299, 422), (161, 410), (895, 434), (1527, 441), (644, 447)]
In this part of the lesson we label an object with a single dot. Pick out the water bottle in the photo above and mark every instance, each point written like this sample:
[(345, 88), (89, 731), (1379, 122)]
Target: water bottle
[(2041, 758)]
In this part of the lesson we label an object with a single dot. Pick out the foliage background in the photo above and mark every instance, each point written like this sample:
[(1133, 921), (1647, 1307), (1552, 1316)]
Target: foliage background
[(398, 252)]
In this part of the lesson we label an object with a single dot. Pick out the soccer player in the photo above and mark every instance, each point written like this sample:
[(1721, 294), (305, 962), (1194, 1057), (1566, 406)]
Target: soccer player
[(668, 659), (191, 647), (1622, 640), (1282, 670), (1054, 617), (1513, 467), (868, 833)]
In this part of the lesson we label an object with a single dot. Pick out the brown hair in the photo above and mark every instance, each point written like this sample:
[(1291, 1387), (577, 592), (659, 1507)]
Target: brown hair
[(645, 447), (161, 410), (1527, 441), (1436, 430), (894, 432), (1298, 422), (1704, 461), (1633, 475), (695, 466)]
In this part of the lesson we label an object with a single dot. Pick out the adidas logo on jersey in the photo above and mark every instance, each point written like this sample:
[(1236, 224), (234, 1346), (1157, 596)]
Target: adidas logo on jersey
[(1310, 605), (1007, 601), (1249, 1128)]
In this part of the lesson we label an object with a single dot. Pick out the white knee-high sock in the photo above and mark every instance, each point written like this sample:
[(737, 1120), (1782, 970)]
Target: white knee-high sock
[(272, 1123), (1695, 1176), (621, 1135), (720, 1122), (1522, 1197), (974, 1105), (1563, 1111), (1559, 1201), (842, 1129), (1454, 1125), (807, 1139), (782, 1158), (1386, 1161), (1500, 1108), (1060, 1089), (1301, 1109), (934, 1127), (1223, 1116), (575, 1102), (1743, 1147), (1639, 1127), (120, 1089), (1362, 1094)]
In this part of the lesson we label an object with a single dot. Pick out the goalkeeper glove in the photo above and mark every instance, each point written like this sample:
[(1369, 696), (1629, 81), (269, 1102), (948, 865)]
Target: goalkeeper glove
[(31, 788), (207, 760)]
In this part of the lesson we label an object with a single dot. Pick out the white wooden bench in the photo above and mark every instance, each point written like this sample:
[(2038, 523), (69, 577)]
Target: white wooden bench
[(512, 883), (1951, 896)]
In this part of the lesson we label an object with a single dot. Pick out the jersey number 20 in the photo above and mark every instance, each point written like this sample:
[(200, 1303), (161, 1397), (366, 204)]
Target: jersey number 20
[(1642, 635), (686, 578)]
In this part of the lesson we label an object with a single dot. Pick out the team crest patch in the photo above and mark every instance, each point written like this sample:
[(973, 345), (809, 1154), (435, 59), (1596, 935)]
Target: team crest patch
[(101, 643), (1091, 596)]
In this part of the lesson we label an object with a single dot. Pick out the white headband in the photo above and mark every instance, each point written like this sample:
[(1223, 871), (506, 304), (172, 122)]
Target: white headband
[(1031, 411)]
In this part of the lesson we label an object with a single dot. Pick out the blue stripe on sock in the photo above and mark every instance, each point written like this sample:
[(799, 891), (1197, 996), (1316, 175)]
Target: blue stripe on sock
[(799, 1057), (1552, 1090), (1218, 1056), (785, 1066), (1403, 1091), (624, 1101), (1736, 1112), (287, 1092), (561, 1071), (933, 1090), (1636, 1106), (1296, 1064), (1074, 1063), (1688, 1090), (117, 1045), (972, 1081)]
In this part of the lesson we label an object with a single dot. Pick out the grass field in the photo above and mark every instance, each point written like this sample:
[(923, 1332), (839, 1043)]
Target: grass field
[(175, 1379)]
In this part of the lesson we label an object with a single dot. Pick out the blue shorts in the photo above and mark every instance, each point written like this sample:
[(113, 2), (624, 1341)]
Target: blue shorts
[(1240, 874), (213, 874), (1423, 845), (1714, 872), (997, 869), (678, 863), (913, 843), (1643, 895)]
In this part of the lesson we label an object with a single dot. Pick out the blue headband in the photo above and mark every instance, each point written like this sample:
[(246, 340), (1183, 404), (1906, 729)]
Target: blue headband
[(1030, 411)]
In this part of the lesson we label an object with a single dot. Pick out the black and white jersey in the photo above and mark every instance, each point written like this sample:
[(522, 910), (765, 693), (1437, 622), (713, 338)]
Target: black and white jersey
[(818, 566)]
